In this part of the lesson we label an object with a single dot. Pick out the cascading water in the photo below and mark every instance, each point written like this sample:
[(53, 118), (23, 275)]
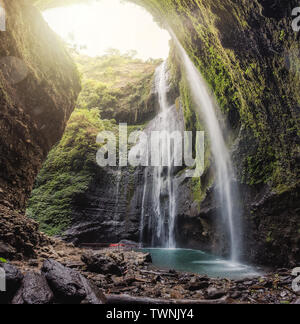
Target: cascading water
[(162, 189), (227, 194)]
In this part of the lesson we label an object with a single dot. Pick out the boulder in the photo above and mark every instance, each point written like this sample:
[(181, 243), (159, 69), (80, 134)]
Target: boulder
[(214, 293), (66, 283), (197, 283), (70, 287), (34, 291), (13, 282), (99, 264), (147, 258), (94, 296), (6, 251)]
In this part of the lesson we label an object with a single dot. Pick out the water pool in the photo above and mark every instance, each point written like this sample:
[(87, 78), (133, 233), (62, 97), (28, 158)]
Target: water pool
[(196, 261)]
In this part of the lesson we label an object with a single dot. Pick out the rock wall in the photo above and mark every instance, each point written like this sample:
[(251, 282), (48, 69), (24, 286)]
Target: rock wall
[(249, 55), (38, 88)]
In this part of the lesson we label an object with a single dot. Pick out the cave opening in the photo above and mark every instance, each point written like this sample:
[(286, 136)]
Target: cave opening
[(95, 28)]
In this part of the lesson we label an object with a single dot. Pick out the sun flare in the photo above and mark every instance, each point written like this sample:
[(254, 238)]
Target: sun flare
[(95, 26)]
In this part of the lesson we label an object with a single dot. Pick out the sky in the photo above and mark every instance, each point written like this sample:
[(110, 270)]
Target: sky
[(102, 24)]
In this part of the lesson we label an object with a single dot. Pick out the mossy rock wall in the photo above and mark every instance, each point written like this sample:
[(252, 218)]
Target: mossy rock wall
[(249, 55), (246, 52), (35, 110), (39, 84)]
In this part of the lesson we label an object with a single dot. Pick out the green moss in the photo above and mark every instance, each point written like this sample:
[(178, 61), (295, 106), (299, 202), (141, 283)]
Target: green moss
[(255, 90), (119, 85), (71, 165), (67, 171)]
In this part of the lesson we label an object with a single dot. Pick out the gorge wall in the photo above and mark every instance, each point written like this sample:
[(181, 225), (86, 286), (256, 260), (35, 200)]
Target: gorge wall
[(38, 88), (249, 55)]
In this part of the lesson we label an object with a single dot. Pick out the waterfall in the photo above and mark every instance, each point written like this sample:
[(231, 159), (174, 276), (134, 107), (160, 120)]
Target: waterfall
[(162, 191), (226, 191)]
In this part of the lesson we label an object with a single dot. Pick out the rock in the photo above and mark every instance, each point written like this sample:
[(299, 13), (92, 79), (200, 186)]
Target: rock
[(66, 283), (283, 270), (236, 294), (102, 265), (214, 293), (33, 263), (197, 286), (34, 291), (13, 282), (94, 296), (6, 251), (297, 302), (248, 283), (198, 283), (130, 243), (148, 259), (18, 299)]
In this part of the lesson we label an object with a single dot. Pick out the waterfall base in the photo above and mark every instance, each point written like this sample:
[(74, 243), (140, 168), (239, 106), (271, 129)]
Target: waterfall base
[(196, 261)]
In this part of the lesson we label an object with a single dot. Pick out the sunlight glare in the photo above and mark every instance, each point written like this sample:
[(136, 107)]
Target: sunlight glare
[(96, 26)]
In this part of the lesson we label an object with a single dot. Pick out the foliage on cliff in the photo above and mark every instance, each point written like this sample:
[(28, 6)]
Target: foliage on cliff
[(108, 83), (39, 85), (242, 52), (67, 172), (119, 85)]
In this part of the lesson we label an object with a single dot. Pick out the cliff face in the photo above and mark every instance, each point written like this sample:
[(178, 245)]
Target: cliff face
[(72, 191), (38, 88), (249, 55)]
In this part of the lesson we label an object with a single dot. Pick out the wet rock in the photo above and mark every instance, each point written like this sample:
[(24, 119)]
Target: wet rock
[(214, 293), (148, 259), (235, 294), (129, 243), (6, 251), (248, 283), (197, 284), (18, 298), (34, 291), (33, 263), (66, 283), (13, 282), (94, 296), (283, 270), (100, 264)]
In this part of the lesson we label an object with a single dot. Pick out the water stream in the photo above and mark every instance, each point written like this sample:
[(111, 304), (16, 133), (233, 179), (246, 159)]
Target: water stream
[(161, 191), (227, 196)]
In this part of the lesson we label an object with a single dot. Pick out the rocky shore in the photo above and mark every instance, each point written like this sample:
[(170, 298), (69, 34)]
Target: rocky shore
[(63, 274)]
